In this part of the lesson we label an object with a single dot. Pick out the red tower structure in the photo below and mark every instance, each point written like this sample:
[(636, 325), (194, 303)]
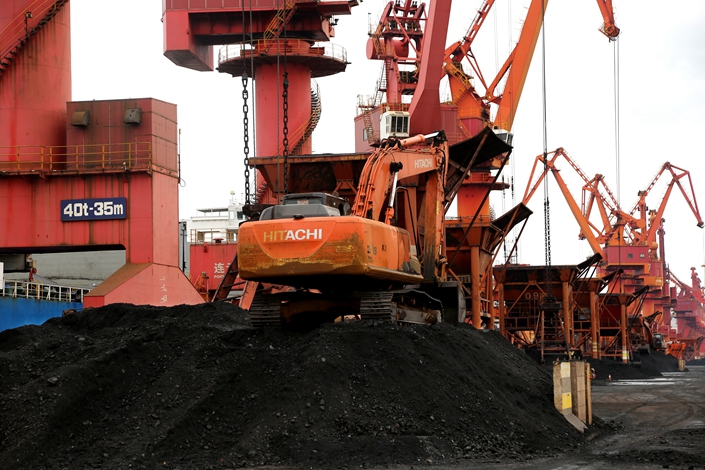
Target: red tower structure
[(98, 175), (264, 39)]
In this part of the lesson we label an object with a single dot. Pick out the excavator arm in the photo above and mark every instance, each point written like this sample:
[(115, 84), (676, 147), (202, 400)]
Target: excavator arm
[(387, 165)]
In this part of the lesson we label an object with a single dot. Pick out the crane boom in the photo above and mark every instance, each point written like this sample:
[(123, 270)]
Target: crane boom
[(513, 72), (608, 28), (550, 164)]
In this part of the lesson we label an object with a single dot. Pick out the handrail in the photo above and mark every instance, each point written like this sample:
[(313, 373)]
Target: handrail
[(14, 32), (322, 49), (217, 235), (39, 291), (304, 131), (117, 157)]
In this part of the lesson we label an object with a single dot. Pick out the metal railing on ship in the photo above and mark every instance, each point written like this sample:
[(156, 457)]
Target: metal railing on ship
[(79, 159), (211, 236), (39, 291)]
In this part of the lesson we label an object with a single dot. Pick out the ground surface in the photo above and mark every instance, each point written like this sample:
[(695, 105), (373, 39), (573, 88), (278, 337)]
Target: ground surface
[(195, 387)]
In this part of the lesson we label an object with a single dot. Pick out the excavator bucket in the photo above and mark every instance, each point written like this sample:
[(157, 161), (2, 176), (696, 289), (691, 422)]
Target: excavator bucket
[(469, 154)]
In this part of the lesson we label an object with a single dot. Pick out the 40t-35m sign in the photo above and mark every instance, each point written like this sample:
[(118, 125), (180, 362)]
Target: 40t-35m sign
[(93, 209)]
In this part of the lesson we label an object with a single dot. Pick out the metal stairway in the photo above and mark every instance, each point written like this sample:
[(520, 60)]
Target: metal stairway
[(302, 134), (276, 26), (18, 32)]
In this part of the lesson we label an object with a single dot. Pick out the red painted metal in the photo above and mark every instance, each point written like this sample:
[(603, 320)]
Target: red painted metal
[(425, 111), (266, 115), (144, 284), (107, 158), (192, 27), (209, 262), (35, 72)]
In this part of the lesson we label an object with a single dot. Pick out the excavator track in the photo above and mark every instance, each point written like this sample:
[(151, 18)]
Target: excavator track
[(265, 311), (377, 306)]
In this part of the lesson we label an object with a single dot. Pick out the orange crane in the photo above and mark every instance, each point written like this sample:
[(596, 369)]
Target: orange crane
[(619, 228), (649, 220), (410, 43), (689, 308), (473, 107), (409, 39), (626, 242)]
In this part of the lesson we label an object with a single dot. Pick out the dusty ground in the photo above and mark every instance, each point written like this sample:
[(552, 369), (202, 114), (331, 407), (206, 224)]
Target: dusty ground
[(195, 387)]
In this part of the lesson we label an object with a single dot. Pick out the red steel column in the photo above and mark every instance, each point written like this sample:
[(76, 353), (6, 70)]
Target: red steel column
[(594, 324), (269, 102), (475, 287)]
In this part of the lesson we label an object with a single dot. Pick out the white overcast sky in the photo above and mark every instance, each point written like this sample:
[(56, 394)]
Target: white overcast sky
[(117, 52)]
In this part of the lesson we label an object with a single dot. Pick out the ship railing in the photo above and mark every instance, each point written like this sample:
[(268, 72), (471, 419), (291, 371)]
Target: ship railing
[(80, 159), (199, 236), (319, 49), (39, 291)]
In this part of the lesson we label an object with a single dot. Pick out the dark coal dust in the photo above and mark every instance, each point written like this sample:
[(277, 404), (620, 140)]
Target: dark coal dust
[(195, 387)]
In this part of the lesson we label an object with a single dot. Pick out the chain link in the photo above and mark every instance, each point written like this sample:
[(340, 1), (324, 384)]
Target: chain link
[(246, 135), (285, 131)]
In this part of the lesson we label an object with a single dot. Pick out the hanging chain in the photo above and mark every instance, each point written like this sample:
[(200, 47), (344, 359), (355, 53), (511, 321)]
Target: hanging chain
[(246, 136), (547, 236), (285, 131)]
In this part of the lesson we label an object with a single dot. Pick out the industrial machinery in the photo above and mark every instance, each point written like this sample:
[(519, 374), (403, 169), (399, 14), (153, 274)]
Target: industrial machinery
[(410, 40), (627, 243), (79, 176), (383, 257), (688, 303)]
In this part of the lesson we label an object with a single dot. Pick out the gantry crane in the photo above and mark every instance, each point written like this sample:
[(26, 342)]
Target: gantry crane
[(689, 309), (626, 240), (473, 107), (409, 38), (618, 228)]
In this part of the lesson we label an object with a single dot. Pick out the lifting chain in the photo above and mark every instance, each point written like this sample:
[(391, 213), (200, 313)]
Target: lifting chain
[(285, 131), (246, 136), (547, 232)]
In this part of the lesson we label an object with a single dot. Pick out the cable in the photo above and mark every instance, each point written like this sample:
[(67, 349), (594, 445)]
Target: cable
[(616, 144)]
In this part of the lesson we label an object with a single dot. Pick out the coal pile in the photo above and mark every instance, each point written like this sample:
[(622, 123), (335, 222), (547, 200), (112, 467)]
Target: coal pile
[(647, 365), (195, 387)]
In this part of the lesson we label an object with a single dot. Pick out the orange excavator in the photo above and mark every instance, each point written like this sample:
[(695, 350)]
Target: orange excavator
[(383, 257)]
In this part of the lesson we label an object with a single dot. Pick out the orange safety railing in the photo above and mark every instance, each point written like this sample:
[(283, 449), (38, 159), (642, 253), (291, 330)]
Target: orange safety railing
[(239, 51), (98, 158)]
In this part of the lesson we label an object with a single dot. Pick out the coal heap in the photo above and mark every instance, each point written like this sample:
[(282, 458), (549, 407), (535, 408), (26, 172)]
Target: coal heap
[(646, 365), (195, 387)]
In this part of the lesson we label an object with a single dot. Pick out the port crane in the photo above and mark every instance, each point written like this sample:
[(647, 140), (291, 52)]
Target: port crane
[(626, 241), (408, 40)]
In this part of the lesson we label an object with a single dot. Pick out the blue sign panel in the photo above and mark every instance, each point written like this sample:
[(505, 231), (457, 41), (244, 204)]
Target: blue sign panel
[(93, 209)]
